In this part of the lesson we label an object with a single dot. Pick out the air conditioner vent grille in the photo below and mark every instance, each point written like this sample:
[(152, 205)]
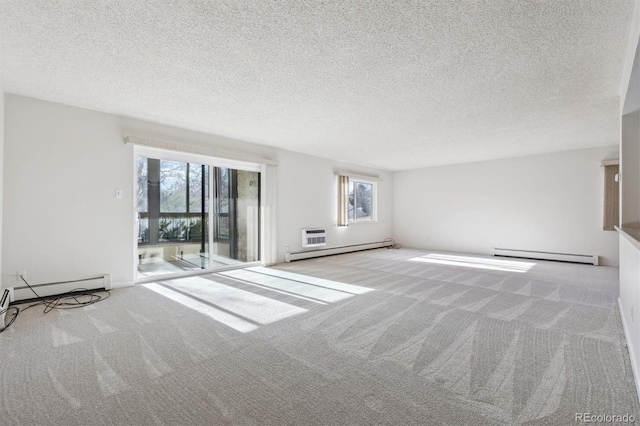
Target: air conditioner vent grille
[(315, 231), (314, 237)]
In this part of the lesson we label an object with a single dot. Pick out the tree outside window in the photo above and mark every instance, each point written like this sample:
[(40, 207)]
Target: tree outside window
[(361, 201)]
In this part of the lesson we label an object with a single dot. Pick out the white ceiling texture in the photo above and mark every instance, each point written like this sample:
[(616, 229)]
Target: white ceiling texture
[(391, 84)]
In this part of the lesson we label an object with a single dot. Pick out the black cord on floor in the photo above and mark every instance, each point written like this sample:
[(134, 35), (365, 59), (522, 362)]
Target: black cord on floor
[(69, 300), (17, 311)]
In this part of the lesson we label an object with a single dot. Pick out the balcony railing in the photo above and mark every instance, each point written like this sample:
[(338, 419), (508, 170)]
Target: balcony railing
[(172, 227)]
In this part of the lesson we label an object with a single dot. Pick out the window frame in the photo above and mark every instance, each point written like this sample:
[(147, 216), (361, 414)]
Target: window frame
[(373, 218), (156, 211), (217, 203), (611, 205)]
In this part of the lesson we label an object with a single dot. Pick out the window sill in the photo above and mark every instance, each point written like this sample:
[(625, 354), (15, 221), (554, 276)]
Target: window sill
[(631, 232)]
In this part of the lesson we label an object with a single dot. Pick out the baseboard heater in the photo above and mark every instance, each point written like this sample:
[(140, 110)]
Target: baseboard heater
[(544, 255), (308, 254), (23, 292)]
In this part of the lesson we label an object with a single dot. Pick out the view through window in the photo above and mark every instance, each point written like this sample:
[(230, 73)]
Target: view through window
[(361, 201), (177, 201)]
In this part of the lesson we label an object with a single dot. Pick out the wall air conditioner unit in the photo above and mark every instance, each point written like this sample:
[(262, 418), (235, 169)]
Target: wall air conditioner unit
[(314, 237)]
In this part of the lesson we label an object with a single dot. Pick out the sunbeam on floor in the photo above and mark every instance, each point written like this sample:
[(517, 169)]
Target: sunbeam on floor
[(476, 262), (244, 310)]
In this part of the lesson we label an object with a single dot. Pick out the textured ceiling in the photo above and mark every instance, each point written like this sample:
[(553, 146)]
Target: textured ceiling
[(391, 84)]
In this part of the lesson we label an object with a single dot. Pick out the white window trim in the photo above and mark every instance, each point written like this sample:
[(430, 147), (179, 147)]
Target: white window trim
[(268, 224), (358, 177), (186, 157), (374, 183), (198, 150)]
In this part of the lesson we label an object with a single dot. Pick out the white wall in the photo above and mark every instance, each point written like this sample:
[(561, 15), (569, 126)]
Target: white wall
[(2, 285), (63, 164), (550, 202), (307, 197), (632, 49), (61, 219), (630, 169), (629, 300)]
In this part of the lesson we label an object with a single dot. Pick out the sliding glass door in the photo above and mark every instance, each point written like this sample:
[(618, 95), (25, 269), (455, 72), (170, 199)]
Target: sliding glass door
[(236, 214), (194, 216)]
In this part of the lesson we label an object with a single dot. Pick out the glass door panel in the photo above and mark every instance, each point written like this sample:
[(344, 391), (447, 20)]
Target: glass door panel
[(247, 216), (177, 201), (173, 202), (236, 216)]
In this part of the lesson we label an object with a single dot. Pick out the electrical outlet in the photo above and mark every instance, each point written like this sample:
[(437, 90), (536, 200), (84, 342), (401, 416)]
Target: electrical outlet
[(21, 273), (286, 248)]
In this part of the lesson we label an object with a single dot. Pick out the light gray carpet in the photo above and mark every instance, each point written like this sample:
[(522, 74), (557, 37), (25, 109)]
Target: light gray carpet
[(437, 340)]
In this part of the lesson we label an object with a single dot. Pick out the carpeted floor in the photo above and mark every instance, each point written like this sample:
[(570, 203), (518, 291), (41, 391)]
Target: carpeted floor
[(394, 337)]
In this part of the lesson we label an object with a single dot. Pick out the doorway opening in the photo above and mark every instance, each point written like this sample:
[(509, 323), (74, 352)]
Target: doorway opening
[(194, 215)]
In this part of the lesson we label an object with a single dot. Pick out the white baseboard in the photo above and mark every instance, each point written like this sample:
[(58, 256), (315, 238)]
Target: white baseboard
[(24, 292), (544, 255), (121, 284), (632, 357), (308, 254)]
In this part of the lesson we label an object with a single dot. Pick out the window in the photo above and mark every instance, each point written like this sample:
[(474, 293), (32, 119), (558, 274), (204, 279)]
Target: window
[(362, 201), (611, 207), (224, 182), (173, 187), (170, 200), (194, 214)]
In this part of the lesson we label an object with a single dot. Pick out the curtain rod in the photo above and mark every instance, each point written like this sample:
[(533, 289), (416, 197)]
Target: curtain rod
[(192, 149), (365, 177)]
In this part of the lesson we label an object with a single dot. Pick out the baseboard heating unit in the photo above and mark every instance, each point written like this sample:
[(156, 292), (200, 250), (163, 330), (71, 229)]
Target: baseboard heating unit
[(308, 254), (543, 255), (23, 292)]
